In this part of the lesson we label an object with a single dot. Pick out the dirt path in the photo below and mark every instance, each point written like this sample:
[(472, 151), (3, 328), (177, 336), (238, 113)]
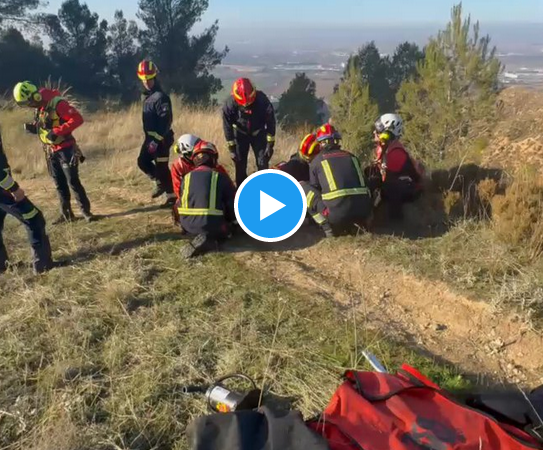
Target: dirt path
[(426, 315)]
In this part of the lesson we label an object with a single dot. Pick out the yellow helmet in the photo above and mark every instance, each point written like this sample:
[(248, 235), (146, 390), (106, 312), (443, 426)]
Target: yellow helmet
[(26, 93)]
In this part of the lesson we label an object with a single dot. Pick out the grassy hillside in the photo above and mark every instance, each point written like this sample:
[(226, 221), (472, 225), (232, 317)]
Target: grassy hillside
[(94, 353)]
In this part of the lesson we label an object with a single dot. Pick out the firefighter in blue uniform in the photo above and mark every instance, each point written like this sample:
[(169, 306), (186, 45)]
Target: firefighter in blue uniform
[(206, 202), (339, 200), (248, 121), (14, 202), (159, 137)]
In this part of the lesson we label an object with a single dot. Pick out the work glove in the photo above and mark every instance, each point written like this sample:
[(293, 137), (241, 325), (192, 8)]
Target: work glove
[(152, 147), (51, 136), (30, 128), (232, 148)]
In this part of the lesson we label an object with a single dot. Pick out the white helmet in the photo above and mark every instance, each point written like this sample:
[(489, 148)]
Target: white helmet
[(185, 145), (390, 122)]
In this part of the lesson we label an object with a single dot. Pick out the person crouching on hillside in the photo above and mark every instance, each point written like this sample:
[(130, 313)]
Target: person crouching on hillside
[(339, 200), (298, 164), (54, 124), (206, 207), (159, 137), (394, 177), (184, 164)]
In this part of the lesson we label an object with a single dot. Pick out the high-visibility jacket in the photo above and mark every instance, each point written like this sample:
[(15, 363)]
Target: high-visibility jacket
[(295, 166), (57, 115), (249, 121), (338, 176), (157, 115), (206, 204), (181, 167)]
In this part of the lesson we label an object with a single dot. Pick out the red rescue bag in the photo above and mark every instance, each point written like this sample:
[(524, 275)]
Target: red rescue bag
[(380, 411)]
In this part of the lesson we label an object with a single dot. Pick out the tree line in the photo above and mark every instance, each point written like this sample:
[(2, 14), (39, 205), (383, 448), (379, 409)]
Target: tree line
[(98, 59), (446, 93)]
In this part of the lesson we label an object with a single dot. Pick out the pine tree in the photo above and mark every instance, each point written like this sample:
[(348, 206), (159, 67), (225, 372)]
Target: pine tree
[(79, 47), (354, 112), (374, 70), (15, 53), (455, 94), (123, 56), (16, 10), (185, 61), (298, 106), (403, 65)]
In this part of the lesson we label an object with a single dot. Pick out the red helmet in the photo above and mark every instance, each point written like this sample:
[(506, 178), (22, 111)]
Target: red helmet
[(147, 70), (328, 133), (205, 147), (244, 92), (309, 147)]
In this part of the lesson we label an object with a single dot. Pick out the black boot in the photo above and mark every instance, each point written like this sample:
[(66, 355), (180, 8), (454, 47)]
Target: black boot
[(89, 217), (169, 203), (158, 191), (200, 245), (65, 217)]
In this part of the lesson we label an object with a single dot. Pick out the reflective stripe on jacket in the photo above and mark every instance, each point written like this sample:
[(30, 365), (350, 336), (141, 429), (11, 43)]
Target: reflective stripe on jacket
[(337, 174), (206, 202)]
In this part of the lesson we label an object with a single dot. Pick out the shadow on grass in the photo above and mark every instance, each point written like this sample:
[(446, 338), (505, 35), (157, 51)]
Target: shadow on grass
[(306, 237), (119, 248), (133, 211)]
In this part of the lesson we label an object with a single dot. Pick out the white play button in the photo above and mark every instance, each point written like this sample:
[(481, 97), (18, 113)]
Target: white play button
[(268, 205)]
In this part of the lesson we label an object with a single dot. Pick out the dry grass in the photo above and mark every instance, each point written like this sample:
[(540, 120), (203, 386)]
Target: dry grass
[(518, 215), (93, 354), (492, 248), (113, 139)]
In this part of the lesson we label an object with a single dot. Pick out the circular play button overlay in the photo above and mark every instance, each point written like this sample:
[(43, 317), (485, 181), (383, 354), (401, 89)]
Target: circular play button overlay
[(270, 205)]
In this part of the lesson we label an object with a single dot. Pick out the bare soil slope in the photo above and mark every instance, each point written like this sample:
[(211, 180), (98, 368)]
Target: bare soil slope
[(518, 137)]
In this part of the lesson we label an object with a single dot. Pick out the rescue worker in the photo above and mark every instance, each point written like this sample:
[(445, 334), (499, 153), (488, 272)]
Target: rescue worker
[(207, 202), (248, 121), (339, 200), (298, 164), (157, 126), (13, 201), (54, 124), (394, 177), (184, 164)]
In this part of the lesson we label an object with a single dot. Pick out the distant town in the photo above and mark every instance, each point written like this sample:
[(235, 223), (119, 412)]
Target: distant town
[(272, 66)]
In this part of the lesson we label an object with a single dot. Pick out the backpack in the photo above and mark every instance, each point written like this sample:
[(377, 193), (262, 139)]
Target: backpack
[(406, 411)]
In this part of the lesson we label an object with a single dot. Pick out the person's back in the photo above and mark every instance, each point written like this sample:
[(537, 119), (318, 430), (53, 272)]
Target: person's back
[(337, 174), (207, 195), (298, 164), (207, 202), (296, 167)]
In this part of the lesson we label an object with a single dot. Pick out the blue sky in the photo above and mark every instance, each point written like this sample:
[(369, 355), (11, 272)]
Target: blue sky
[(333, 13)]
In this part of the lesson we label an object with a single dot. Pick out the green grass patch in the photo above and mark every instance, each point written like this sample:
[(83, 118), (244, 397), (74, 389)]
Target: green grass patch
[(101, 349)]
